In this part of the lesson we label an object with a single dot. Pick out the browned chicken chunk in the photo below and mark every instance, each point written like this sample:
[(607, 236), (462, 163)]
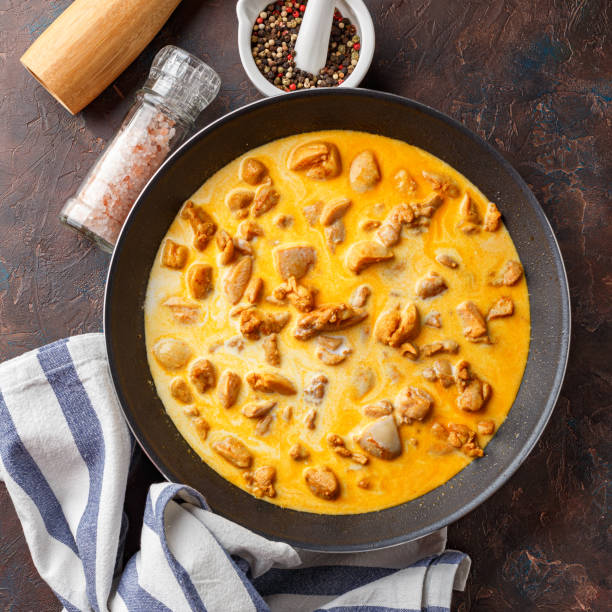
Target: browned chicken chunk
[(301, 297), (322, 482), (504, 307), (270, 347), (492, 218), (237, 279), (202, 224), (228, 388), (234, 451), (183, 310), (394, 327), (226, 247), (314, 392), (171, 353), (179, 389), (413, 404), (270, 382), (203, 375), (252, 171), (261, 481), (442, 183), (174, 255), (327, 318), (266, 197), (431, 285), (362, 254), (239, 199), (473, 322), (364, 173), (334, 210), (381, 439), (510, 274), (255, 323), (320, 160), (199, 280), (294, 260)]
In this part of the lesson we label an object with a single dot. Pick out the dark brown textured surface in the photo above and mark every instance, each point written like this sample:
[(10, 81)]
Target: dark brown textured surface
[(534, 79)]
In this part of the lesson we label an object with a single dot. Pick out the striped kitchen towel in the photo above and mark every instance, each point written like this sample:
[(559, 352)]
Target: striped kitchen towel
[(65, 454)]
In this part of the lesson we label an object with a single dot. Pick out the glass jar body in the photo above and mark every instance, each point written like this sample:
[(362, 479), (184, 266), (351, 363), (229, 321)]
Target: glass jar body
[(148, 134)]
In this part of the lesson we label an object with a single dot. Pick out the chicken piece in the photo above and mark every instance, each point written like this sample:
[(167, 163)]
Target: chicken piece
[(322, 482), (362, 382), (443, 346), (492, 218), (331, 352), (362, 254), (263, 425), (334, 210), (247, 230), (404, 183), (199, 280), (431, 285), (394, 327), (179, 390), (266, 198), (252, 171), (474, 396), (413, 404), (444, 372), (391, 229), (228, 388), (298, 453), (423, 211), (261, 481), (312, 212), (258, 408), (462, 437), (360, 296), (234, 451), (310, 418), (270, 382), (242, 246), (473, 322), (283, 221), (433, 319), (202, 224), (184, 311), (239, 199), (379, 409), (174, 255), (270, 347), (509, 275), (335, 234), (226, 247), (255, 323), (314, 391), (447, 260), (486, 427), (327, 318), (410, 350), (442, 183), (468, 211), (171, 353), (320, 160), (301, 297), (381, 439), (203, 375), (364, 173), (237, 279), (254, 290), (294, 260), (504, 307)]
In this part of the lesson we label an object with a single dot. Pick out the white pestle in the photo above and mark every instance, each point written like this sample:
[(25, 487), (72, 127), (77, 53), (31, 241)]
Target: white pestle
[(313, 39)]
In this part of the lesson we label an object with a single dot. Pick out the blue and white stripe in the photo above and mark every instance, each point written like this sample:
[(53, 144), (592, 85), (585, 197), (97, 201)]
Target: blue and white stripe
[(65, 453)]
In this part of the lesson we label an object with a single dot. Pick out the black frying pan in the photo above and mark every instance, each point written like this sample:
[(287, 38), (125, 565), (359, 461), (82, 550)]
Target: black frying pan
[(379, 113)]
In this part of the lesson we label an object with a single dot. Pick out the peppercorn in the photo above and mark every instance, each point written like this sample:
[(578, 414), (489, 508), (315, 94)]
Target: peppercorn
[(275, 32)]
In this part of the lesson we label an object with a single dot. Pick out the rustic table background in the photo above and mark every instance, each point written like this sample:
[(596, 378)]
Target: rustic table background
[(532, 78)]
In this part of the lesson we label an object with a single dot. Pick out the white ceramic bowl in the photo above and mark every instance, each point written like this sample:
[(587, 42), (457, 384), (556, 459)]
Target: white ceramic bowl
[(355, 10)]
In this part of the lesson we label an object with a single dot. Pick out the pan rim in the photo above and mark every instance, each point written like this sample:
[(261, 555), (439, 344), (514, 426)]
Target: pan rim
[(560, 272)]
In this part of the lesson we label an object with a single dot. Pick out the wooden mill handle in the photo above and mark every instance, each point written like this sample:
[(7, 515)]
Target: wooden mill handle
[(91, 43)]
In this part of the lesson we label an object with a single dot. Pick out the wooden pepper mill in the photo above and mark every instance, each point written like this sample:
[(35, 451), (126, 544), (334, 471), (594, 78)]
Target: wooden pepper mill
[(91, 43)]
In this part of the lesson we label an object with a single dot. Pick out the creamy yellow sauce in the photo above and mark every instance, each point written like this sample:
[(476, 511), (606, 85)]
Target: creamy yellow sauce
[(417, 470)]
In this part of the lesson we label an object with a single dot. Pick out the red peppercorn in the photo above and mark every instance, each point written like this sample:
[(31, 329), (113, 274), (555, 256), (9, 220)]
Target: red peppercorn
[(290, 57), (340, 67), (302, 7), (259, 20), (296, 13), (356, 46), (340, 81), (292, 87)]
